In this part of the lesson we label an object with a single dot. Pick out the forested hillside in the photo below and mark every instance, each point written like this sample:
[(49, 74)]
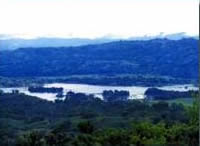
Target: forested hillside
[(158, 57)]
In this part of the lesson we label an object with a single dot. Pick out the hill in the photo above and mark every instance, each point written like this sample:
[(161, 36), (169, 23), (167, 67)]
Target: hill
[(9, 42), (157, 57)]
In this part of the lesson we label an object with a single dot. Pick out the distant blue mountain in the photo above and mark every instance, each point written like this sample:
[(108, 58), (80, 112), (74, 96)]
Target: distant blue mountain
[(9, 43), (15, 43)]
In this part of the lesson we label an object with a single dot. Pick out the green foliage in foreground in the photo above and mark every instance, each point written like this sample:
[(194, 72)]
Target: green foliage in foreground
[(141, 134), (29, 121)]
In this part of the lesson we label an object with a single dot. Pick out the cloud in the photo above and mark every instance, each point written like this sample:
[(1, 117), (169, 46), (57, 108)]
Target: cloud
[(98, 18)]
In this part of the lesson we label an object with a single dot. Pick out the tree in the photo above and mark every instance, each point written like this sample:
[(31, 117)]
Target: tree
[(111, 96), (1, 92), (193, 111), (33, 138), (86, 127), (145, 133)]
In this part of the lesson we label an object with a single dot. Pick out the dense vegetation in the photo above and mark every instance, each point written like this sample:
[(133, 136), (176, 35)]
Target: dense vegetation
[(154, 57), (82, 120), (158, 94)]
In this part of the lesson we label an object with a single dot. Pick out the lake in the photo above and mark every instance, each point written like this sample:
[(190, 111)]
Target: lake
[(136, 92)]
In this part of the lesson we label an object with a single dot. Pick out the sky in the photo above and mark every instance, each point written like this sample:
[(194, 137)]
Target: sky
[(98, 18)]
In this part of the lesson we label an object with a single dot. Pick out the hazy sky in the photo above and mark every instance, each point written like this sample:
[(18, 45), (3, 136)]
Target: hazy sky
[(97, 18)]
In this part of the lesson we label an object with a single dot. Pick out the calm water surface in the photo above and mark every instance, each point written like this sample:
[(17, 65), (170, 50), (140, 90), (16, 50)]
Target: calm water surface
[(136, 92)]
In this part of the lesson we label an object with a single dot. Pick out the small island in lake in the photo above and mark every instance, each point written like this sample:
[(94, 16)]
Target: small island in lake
[(45, 90)]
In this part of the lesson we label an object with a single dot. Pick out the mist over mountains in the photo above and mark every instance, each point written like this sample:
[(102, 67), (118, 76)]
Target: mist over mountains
[(15, 43)]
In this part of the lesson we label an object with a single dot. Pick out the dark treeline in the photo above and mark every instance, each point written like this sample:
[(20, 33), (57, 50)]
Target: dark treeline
[(109, 95), (82, 120), (158, 94), (45, 89), (112, 80)]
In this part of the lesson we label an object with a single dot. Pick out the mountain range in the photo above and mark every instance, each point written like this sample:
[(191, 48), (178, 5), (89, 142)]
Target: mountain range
[(11, 43), (157, 57)]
